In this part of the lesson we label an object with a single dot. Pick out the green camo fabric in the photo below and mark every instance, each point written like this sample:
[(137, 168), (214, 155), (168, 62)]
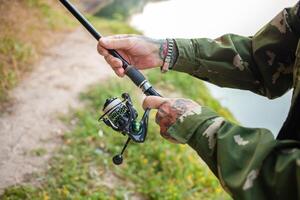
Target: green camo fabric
[(249, 163)]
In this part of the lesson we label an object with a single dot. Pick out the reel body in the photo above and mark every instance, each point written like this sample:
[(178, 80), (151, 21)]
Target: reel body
[(121, 116)]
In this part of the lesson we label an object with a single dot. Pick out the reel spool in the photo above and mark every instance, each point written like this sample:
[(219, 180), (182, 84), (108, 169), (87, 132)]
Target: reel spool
[(121, 116)]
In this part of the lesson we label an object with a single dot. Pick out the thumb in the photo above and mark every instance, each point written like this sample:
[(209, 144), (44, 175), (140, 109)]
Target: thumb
[(153, 102), (115, 43)]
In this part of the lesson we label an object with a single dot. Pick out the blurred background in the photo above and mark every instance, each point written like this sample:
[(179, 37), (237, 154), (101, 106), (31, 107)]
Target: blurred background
[(47, 60)]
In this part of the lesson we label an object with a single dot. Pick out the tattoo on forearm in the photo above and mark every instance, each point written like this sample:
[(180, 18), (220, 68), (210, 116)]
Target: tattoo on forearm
[(162, 44), (170, 111), (181, 106)]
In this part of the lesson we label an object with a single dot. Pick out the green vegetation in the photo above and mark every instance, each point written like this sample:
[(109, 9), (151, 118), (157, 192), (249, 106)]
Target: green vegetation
[(121, 10), (51, 14), (109, 27), (21, 41), (158, 169), (13, 52)]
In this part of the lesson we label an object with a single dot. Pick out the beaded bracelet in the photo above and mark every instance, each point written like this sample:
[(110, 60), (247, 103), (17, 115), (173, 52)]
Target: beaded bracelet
[(167, 61)]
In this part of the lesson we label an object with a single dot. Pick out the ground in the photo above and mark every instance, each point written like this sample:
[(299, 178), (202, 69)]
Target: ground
[(30, 125)]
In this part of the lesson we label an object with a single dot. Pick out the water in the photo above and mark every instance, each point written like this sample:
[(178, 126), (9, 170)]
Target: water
[(213, 18)]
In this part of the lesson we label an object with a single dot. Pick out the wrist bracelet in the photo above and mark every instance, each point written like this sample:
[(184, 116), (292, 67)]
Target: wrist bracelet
[(167, 61)]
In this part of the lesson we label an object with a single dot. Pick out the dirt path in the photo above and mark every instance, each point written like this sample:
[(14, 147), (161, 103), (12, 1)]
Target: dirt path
[(31, 123)]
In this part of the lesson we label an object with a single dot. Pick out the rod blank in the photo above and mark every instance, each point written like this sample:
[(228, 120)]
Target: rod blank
[(81, 19), (90, 28)]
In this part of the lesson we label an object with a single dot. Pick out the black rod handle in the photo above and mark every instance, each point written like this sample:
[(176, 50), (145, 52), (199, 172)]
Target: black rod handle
[(136, 76)]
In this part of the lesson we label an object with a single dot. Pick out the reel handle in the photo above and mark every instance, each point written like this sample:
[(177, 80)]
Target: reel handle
[(118, 159)]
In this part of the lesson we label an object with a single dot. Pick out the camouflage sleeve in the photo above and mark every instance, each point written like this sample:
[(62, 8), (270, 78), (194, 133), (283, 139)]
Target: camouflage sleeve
[(249, 163), (262, 63)]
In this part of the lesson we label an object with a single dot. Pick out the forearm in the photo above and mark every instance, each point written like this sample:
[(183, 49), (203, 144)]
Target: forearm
[(226, 61), (249, 163), (262, 63)]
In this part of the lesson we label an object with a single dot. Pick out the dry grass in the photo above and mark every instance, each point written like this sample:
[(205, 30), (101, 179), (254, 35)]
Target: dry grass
[(26, 28)]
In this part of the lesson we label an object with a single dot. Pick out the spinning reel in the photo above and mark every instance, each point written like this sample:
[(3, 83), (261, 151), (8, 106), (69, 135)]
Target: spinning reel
[(121, 116)]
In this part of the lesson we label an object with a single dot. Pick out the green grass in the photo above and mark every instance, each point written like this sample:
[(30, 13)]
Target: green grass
[(19, 49), (110, 26), (55, 18), (121, 10), (14, 52)]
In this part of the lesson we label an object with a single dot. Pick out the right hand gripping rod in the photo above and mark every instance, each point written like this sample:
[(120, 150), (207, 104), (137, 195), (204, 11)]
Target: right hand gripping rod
[(136, 76)]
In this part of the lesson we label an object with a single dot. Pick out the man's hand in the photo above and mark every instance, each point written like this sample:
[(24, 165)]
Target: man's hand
[(139, 51), (169, 112)]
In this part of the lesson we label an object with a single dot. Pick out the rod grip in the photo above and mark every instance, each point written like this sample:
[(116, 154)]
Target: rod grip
[(140, 81), (135, 75)]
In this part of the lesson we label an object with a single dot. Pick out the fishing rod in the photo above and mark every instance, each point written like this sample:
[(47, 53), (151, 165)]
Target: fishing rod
[(120, 115)]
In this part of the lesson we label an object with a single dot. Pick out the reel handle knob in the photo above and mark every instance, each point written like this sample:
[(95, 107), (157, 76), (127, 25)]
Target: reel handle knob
[(118, 159)]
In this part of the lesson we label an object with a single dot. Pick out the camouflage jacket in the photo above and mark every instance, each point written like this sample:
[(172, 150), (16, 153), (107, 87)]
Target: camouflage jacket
[(249, 163)]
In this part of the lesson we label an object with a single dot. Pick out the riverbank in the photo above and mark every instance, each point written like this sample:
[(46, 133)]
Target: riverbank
[(23, 42)]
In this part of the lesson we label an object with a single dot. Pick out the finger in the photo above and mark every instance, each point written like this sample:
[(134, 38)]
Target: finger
[(116, 43), (116, 65), (113, 62), (153, 102), (102, 51), (120, 72), (119, 36)]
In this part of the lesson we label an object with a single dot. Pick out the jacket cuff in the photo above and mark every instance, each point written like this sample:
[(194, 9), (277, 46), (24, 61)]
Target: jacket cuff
[(186, 56), (185, 128)]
